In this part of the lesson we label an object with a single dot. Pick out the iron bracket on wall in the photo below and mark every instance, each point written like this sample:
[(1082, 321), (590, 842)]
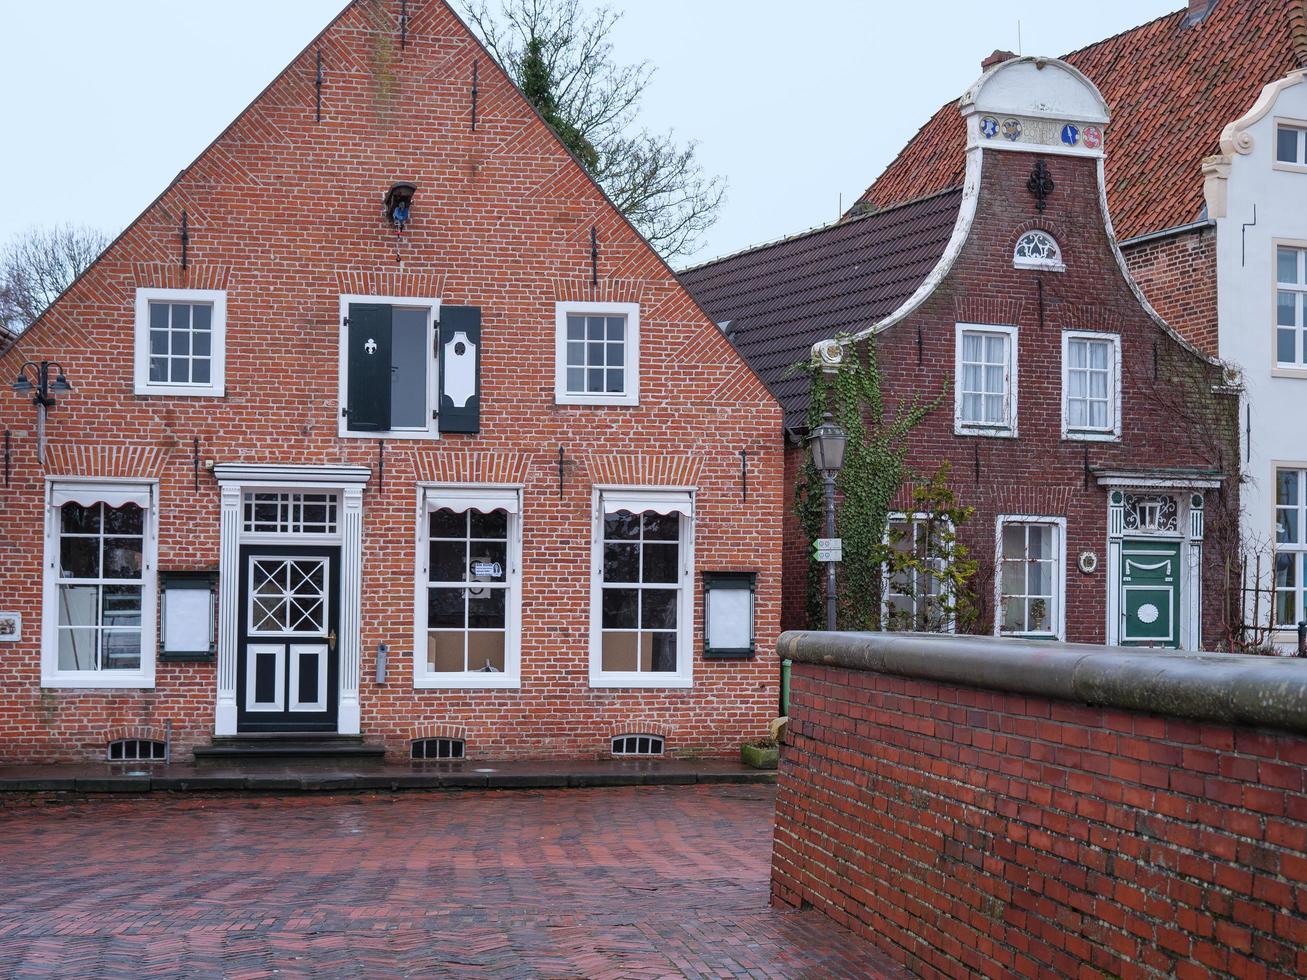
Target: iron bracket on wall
[(7, 457), (920, 347), (403, 24), (744, 474), (594, 256), (1086, 448), (317, 88), (195, 460), (975, 446), (1243, 236), (560, 472), (381, 464), (186, 237), (475, 92), (1040, 184)]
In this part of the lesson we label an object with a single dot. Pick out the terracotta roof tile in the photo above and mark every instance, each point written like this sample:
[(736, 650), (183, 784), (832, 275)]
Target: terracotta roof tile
[(1171, 89)]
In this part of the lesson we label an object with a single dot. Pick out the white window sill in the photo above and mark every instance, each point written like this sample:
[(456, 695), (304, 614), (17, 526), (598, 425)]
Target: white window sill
[(182, 391), (1289, 371), (1090, 436), (1293, 168), (1039, 266), (1030, 636), (390, 434), (962, 429), (613, 401), (471, 681), (99, 680), (641, 680)]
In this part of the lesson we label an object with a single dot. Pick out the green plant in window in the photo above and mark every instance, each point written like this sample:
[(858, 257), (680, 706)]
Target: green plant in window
[(928, 565)]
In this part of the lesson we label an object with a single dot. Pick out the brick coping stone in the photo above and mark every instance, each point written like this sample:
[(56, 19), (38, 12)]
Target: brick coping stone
[(1240, 689), (307, 777)]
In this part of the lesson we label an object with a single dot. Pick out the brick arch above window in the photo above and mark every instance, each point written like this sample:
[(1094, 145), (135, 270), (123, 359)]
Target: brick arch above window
[(1038, 249)]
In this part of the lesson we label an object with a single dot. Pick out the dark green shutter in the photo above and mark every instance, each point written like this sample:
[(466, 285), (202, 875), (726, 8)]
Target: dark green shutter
[(460, 369), (368, 386)]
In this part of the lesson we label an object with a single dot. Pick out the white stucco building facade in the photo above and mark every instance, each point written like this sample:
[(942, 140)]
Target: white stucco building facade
[(1256, 191)]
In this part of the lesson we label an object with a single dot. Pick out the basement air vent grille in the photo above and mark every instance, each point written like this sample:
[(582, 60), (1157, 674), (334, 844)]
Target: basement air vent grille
[(638, 745), (438, 748), (137, 750)]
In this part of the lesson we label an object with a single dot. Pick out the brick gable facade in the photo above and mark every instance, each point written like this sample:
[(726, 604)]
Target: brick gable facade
[(283, 213)]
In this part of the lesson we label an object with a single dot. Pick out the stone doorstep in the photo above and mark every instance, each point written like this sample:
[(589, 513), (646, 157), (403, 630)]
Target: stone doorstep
[(297, 778)]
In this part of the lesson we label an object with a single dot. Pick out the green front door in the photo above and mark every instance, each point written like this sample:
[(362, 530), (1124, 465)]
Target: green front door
[(1150, 593)]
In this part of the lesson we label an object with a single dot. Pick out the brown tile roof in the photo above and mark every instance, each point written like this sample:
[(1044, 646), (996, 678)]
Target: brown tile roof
[(777, 300), (1171, 89)]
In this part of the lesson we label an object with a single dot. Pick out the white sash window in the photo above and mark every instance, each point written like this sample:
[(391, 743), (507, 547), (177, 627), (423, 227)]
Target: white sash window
[(469, 595), (641, 612), (98, 614)]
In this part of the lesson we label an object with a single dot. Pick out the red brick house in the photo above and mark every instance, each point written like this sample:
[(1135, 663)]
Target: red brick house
[(1086, 434), (385, 423)]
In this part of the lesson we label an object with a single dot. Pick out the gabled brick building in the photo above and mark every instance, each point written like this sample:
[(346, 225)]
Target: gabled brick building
[(384, 422), (1088, 436)]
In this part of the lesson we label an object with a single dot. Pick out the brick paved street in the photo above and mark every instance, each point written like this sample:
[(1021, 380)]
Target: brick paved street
[(631, 882)]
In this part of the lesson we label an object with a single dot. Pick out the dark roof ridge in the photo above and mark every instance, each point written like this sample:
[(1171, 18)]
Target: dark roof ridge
[(846, 219)]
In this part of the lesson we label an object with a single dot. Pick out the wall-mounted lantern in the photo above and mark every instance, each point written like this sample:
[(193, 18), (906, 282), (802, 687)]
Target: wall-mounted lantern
[(728, 601), (36, 382), (398, 201), (188, 612)]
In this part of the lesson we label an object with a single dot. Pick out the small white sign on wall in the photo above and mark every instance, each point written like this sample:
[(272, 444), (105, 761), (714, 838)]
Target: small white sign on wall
[(11, 627)]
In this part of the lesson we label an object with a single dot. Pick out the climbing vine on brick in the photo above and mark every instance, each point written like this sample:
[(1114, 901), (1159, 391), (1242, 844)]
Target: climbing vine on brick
[(873, 471)]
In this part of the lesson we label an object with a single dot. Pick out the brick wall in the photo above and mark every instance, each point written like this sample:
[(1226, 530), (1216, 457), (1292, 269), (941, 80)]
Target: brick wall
[(1178, 276), (970, 832), (285, 214), (1170, 417)]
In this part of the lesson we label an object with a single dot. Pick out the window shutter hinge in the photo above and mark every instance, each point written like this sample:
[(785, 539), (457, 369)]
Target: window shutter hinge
[(344, 413), (344, 321)]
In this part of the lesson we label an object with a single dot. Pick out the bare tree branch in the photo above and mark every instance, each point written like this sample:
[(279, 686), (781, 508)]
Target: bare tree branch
[(593, 103), (39, 264)]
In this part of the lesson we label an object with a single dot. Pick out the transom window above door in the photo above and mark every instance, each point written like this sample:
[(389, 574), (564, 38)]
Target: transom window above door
[(1290, 306), (598, 354), (292, 512), (180, 342), (986, 396)]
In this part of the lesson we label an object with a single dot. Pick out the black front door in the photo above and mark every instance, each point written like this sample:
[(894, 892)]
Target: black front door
[(288, 673)]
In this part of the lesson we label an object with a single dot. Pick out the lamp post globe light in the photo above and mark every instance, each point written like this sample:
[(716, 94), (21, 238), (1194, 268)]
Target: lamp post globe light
[(826, 443)]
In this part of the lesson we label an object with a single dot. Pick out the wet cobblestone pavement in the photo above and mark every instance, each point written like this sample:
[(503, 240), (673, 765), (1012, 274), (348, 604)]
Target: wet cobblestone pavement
[(625, 882)]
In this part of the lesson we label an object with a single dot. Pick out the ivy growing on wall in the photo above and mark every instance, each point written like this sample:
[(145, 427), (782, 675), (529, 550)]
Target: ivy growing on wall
[(874, 469)]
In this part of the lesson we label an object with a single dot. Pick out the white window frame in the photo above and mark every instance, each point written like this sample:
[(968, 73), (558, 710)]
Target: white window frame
[(1059, 574), (143, 677), (1007, 429), (1298, 166), (1112, 431), (1298, 549), (1298, 367), (912, 520), (511, 677), (1054, 264), (217, 384), (431, 430), (685, 651), (631, 349)]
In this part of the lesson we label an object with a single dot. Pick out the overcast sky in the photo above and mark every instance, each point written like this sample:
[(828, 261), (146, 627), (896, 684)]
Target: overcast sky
[(795, 103)]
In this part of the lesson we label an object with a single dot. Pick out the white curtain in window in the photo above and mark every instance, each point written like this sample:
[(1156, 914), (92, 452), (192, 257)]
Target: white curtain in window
[(112, 494), (648, 501), (483, 499)]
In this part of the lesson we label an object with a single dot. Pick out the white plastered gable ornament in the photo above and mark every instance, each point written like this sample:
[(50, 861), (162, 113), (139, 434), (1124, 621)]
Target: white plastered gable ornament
[(1035, 105), (827, 355), (1237, 141)]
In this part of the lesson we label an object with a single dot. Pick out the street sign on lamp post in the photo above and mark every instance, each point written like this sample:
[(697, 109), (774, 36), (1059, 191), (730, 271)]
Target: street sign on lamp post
[(826, 443)]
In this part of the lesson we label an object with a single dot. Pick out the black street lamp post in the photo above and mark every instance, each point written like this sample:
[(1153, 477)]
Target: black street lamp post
[(826, 443)]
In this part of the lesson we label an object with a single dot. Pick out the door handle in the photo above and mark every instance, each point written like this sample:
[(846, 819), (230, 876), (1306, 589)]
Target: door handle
[(331, 642)]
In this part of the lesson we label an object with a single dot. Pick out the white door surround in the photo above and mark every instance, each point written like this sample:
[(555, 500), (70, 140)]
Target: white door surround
[(235, 479), (1183, 525)]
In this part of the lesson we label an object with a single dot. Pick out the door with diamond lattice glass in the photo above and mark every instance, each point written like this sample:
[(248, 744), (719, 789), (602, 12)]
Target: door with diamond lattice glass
[(287, 670)]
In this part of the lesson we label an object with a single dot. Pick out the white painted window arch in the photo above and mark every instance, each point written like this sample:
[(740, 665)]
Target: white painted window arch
[(1037, 249)]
